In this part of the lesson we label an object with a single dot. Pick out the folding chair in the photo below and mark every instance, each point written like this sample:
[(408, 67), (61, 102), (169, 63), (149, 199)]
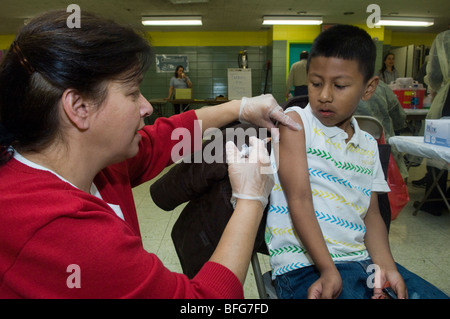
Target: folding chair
[(371, 125), (374, 127), (301, 101)]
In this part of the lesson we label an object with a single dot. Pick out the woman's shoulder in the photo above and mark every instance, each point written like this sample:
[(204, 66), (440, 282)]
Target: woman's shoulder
[(42, 190)]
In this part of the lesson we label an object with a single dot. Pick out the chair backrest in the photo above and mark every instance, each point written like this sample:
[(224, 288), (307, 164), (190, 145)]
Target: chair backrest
[(371, 125), (374, 127), (301, 101)]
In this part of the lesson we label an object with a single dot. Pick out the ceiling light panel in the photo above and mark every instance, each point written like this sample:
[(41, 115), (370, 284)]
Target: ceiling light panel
[(172, 20), (188, 1), (405, 22), (292, 20)]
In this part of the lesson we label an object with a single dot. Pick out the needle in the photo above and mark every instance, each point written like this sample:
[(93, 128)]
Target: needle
[(245, 151)]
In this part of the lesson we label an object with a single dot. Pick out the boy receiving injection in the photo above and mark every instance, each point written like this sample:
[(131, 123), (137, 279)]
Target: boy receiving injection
[(324, 228)]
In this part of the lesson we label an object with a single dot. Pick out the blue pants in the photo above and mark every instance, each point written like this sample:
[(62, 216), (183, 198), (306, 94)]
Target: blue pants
[(295, 284)]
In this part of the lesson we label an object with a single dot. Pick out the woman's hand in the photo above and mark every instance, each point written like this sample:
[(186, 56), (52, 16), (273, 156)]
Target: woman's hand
[(251, 178), (251, 187), (262, 111)]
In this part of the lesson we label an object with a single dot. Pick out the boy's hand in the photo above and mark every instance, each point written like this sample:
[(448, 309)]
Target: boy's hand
[(396, 283), (328, 286)]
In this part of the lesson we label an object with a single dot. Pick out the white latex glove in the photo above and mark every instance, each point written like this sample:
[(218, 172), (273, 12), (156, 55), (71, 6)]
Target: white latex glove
[(251, 178), (262, 111)]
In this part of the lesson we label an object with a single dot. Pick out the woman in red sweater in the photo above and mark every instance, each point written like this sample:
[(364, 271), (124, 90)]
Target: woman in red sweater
[(73, 144)]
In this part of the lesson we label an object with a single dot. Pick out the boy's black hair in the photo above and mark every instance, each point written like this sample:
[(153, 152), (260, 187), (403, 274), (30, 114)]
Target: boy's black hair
[(349, 43)]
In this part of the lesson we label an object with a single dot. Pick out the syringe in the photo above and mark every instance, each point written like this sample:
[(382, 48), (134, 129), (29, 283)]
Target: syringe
[(245, 151)]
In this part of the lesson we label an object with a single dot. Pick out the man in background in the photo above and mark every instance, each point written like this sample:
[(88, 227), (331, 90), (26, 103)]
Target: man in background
[(297, 77)]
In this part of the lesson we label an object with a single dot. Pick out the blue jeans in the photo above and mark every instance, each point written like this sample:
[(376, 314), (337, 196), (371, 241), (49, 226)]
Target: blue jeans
[(295, 284)]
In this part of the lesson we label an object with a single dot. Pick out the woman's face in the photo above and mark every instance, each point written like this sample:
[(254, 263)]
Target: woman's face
[(390, 60), (180, 72), (118, 120)]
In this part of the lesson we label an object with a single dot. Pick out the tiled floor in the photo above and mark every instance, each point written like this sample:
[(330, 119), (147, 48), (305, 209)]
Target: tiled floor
[(420, 243)]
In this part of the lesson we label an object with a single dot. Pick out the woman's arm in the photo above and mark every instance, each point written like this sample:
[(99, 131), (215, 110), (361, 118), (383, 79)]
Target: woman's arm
[(294, 177), (188, 82), (170, 92), (218, 115), (262, 111), (238, 239), (251, 187)]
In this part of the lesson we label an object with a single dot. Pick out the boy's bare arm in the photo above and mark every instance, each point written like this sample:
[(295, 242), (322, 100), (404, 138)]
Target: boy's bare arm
[(377, 244), (294, 177), (376, 238)]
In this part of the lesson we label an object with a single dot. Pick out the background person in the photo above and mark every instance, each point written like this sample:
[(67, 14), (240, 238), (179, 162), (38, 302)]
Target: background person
[(438, 76), (297, 77), (438, 79), (179, 81), (388, 73), (385, 107)]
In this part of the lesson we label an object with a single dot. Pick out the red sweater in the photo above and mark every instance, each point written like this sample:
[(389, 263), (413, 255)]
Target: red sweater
[(46, 225)]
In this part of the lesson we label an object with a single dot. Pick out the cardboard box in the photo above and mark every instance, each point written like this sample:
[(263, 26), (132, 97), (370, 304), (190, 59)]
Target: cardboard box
[(437, 132), (183, 94)]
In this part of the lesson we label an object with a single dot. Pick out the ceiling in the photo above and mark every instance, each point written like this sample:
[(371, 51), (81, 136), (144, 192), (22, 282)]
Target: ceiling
[(231, 15)]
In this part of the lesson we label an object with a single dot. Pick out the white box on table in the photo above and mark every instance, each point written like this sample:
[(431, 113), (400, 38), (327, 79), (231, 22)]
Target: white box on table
[(437, 132)]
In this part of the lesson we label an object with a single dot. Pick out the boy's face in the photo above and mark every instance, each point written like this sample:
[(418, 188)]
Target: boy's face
[(335, 86)]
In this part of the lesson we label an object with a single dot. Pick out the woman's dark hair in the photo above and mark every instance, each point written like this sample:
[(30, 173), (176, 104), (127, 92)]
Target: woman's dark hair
[(46, 58), (176, 70), (348, 43)]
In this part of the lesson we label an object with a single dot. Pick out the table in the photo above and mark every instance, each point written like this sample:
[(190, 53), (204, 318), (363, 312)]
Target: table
[(198, 101), (414, 118), (416, 114), (438, 157), (158, 106)]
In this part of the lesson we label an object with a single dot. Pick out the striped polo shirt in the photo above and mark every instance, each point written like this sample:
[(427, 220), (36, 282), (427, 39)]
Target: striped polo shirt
[(342, 176)]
